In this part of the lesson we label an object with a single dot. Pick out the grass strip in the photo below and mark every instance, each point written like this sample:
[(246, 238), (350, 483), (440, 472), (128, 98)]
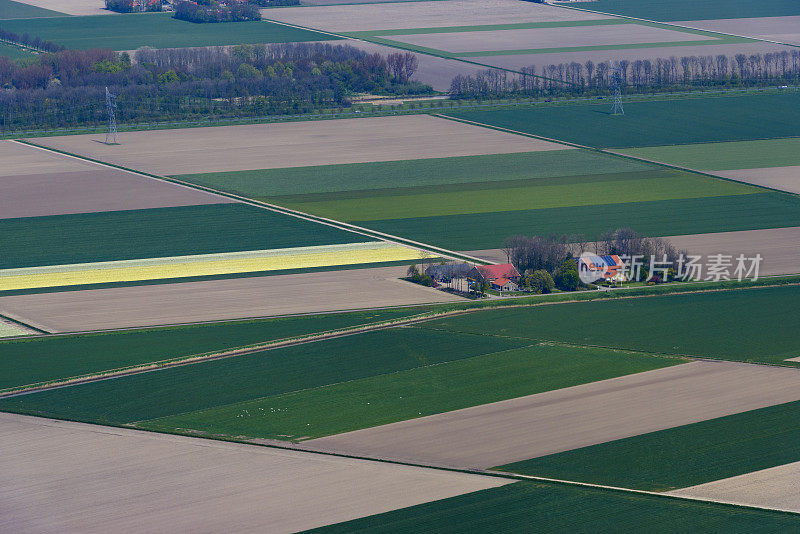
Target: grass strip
[(48, 358), (720, 325), (549, 507), (156, 233), (157, 30), (732, 155), (682, 456), (690, 216), (409, 394), (273, 372)]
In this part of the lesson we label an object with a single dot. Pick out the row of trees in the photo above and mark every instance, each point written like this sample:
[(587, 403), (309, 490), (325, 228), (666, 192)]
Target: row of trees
[(67, 88), (30, 41), (635, 76), (213, 11)]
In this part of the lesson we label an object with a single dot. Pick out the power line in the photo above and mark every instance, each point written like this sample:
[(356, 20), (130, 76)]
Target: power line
[(111, 107), (616, 79)]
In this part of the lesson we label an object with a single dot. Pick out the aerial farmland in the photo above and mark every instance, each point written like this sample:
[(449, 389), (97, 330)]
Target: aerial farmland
[(399, 266)]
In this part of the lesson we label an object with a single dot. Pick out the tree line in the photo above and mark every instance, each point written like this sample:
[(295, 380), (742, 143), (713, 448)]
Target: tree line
[(31, 41), (661, 74), (213, 11), (67, 88)]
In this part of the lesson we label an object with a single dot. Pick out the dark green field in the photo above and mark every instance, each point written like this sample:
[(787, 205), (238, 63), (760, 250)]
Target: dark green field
[(158, 232), (657, 122), (655, 218), (437, 174), (220, 382), (746, 325), (157, 30), (16, 10), (682, 456), (27, 361), (539, 507), (418, 392), (693, 9)]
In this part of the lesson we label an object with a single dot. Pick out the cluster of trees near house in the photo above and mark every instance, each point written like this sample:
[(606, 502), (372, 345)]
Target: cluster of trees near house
[(213, 11), (662, 74), (134, 6), (554, 255), (67, 88), (29, 41)]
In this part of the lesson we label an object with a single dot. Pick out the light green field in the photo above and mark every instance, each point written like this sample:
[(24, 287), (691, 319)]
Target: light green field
[(490, 200), (725, 156), (15, 52), (6, 330), (403, 395)]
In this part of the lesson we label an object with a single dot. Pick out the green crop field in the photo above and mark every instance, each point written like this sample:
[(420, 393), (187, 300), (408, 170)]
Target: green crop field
[(744, 325), (155, 233), (725, 156), (319, 182), (33, 360), (656, 122), (17, 10), (655, 218), (692, 9), (418, 392), (476, 202), (542, 507), (157, 30), (682, 456), (637, 188), (220, 382)]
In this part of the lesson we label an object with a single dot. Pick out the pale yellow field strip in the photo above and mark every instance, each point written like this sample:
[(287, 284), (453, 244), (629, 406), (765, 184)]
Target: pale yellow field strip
[(207, 265), (8, 330)]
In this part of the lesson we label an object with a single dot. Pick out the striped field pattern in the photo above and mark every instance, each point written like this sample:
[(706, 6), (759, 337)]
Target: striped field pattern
[(205, 265)]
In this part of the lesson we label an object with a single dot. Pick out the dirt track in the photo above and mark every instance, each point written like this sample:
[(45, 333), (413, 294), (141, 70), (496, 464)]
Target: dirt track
[(60, 476), (297, 144), (775, 487), (219, 299), (565, 419)]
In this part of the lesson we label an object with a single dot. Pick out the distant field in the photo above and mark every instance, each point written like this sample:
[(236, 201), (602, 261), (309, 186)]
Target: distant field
[(717, 325), (655, 218), (660, 122), (540, 507), (17, 10), (725, 156), (682, 456), (691, 9), (157, 30), (403, 395), (216, 383), (33, 360), (155, 233)]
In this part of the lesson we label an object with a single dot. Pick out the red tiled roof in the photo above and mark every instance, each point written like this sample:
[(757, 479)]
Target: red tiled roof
[(498, 271), (501, 281)]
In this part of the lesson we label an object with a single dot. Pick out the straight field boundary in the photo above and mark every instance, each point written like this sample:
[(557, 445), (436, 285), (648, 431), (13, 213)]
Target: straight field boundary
[(612, 153), (438, 312), (279, 209)]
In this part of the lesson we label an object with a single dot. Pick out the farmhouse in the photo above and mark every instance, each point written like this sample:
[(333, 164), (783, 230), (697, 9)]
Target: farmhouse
[(601, 268), (504, 284), (491, 273)]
